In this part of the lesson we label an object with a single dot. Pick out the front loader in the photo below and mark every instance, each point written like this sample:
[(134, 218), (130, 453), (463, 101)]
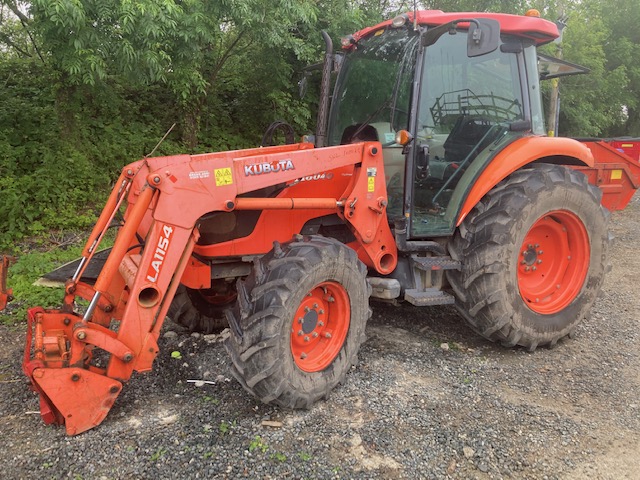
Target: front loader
[(431, 183)]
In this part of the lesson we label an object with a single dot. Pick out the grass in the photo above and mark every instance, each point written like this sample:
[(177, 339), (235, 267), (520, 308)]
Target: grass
[(30, 266)]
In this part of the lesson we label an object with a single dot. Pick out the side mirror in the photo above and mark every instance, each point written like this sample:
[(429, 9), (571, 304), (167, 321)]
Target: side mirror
[(483, 37)]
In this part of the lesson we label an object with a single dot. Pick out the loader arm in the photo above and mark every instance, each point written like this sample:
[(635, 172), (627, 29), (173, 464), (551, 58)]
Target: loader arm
[(77, 363)]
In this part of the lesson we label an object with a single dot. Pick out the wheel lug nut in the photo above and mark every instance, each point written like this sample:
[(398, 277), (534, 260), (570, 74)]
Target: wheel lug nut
[(534, 268), (331, 299), (523, 262), (540, 252), (300, 333), (537, 245), (529, 246), (321, 312), (315, 305), (303, 356), (321, 324), (307, 309), (301, 320), (327, 335), (314, 334), (306, 338), (526, 269), (539, 262)]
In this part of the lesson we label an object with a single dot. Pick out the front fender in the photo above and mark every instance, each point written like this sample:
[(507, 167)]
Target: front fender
[(522, 152)]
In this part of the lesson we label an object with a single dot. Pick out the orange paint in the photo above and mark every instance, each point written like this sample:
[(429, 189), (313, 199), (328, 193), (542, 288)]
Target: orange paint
[(518, 154)]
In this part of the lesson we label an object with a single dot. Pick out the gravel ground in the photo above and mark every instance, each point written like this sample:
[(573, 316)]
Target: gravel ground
[(412, 408)]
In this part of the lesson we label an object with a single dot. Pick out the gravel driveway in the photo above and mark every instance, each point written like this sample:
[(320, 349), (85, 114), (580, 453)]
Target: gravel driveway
[(429, 399)]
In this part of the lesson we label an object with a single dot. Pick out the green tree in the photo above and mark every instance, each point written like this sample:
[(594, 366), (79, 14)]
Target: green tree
[(622, 49), (185, 45), (590, 104)]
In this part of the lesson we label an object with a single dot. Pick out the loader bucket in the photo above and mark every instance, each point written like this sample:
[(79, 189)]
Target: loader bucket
[(76, 397)]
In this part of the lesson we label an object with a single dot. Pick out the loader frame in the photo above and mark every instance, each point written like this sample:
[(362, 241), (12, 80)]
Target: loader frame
[(129, 301)]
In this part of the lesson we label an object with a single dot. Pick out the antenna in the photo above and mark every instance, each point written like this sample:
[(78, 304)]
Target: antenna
[(161, 140)]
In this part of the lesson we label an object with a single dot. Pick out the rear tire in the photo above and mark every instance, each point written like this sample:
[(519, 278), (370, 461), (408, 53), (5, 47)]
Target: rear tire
[(191, 309), (301, 321), (533, 255)]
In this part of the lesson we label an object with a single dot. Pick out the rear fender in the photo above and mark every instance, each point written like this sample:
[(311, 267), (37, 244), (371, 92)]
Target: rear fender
[(522, 152)]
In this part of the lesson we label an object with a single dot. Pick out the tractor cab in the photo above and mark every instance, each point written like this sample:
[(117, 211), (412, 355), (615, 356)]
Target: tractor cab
[(459, 88)]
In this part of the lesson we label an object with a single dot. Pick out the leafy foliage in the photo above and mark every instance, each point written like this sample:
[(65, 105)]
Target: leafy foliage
[(90, 85)]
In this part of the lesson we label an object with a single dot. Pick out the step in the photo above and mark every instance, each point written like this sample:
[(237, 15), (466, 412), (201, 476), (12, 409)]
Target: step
[(436, 263), (428, 297)]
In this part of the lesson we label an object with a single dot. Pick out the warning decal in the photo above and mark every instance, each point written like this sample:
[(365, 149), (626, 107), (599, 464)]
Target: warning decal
[(371, 184), (223, 176), (616, 174)]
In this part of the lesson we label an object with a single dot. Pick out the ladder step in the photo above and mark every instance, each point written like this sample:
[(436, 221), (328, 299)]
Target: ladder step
[(428, 297), (436, 263)]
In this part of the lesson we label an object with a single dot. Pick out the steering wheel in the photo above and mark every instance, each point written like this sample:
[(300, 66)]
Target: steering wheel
[(289, 133)]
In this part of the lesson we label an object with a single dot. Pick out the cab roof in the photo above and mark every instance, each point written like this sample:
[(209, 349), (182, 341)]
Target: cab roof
[(539, 30)]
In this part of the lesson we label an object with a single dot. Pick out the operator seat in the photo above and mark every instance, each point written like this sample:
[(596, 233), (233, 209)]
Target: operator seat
[(467, 132)]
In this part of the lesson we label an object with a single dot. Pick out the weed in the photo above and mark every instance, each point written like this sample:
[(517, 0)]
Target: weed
[(258, 444), (304, 456), (225, 427), (158, 455), (280, 457), (212, 400)]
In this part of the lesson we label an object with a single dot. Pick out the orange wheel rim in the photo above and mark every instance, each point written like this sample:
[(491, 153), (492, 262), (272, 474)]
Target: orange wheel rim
[(553, 262), (320, 326)]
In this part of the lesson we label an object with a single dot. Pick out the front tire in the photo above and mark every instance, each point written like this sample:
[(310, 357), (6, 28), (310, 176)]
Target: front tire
[(302, 318), (533, 253)]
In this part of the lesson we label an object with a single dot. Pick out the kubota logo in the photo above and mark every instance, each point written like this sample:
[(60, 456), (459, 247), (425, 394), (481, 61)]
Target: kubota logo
[(273, 167), (161, 251)]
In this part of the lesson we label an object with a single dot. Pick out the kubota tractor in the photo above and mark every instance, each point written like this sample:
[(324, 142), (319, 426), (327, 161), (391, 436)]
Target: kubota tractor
[(431, 182)]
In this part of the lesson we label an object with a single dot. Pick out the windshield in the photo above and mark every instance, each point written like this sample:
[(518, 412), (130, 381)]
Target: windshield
[(374, 88)]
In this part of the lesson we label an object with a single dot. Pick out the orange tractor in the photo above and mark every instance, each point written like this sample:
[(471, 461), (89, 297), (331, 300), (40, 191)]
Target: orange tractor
[(431, 182)]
